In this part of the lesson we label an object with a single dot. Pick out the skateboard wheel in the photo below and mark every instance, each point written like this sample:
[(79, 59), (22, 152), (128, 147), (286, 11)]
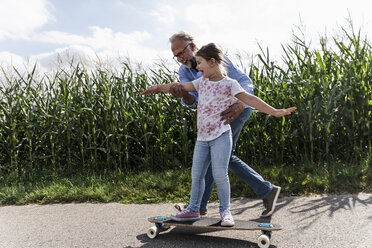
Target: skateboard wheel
[(153, 232), (263, 241)]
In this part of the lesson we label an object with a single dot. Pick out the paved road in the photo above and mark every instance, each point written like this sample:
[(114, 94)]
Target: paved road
[(321, 221)]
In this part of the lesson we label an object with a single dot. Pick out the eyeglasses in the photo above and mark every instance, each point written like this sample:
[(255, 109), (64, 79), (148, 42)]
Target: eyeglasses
[(181, 53)]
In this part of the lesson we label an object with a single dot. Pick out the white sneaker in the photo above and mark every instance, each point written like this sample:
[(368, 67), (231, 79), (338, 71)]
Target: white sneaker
[(226, 218)]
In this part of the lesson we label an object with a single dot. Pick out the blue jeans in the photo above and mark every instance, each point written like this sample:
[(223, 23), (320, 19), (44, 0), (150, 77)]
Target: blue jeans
[(216, 153), (261, 187)]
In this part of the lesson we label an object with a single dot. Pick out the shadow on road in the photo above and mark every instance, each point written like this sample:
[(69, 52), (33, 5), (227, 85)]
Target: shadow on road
[(193, 237), (187, 237), (328, 206), (317, 206), (238, 211), (307, 212)]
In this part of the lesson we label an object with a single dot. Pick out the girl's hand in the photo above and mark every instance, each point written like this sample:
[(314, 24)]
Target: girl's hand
[(283, 112), (151, 90)]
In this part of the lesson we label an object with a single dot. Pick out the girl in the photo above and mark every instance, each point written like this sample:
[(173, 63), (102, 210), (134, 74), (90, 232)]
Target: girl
[(216, 93)]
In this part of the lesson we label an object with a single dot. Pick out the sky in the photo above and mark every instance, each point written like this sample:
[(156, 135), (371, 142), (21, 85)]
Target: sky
[(49, 32)]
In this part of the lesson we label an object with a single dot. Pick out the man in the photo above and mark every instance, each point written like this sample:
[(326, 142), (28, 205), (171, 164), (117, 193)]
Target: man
[(184, 49)]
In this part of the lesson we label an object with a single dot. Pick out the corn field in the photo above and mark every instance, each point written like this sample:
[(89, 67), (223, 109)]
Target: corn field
[(80, 121), (333, 94)]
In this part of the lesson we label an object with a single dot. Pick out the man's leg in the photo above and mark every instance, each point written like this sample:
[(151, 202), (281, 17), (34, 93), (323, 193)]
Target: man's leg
[(264, 189), (238, 167)]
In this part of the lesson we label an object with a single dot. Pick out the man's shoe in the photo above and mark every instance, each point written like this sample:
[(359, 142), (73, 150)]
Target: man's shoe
[(270, 202), (203, 212)]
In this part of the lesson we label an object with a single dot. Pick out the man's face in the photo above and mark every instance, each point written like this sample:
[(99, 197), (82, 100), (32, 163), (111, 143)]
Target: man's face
[(184, 52)]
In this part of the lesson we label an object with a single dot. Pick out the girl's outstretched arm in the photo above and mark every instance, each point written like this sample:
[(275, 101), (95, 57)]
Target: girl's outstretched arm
[(259, 104), (188, 86)]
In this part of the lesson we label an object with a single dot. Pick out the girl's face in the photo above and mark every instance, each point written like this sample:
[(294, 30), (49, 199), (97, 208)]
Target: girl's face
[(204, 66)]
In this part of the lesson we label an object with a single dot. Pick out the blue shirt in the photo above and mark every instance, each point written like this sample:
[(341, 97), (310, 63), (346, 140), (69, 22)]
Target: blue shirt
[(189, 74)]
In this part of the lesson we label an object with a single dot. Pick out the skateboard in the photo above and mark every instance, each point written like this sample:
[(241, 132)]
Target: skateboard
[(164, 223)]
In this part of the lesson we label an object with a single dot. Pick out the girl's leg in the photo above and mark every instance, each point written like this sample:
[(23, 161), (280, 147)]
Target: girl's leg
[(220, 156), (209, 184), (201, 159)]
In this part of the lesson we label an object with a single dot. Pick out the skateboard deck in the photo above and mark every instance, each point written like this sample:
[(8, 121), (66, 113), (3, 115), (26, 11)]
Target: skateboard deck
[(164, 223)]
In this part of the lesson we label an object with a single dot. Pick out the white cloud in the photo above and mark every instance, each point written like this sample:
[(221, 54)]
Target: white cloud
[(105, 38), (102, 46), (57, 37), (240, 26), (64, 56), (7, 59), (19, 19), (236, 26), (101, 39), (165, 15)]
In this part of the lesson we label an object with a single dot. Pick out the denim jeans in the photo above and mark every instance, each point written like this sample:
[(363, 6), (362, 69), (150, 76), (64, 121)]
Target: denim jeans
[(261, 187), (216, 153)]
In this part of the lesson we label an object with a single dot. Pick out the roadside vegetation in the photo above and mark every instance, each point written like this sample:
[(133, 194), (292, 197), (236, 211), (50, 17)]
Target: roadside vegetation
[(79, 136)]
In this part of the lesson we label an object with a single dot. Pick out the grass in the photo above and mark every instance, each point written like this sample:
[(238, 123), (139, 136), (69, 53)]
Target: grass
[(52, 187), (174, 185)]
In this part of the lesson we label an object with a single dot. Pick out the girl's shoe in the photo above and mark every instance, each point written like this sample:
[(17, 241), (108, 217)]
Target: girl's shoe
[(186, 215), (203, 212), (226, 218)]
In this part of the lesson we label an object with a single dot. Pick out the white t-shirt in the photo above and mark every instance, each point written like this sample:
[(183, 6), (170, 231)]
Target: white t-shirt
[(214, 97)]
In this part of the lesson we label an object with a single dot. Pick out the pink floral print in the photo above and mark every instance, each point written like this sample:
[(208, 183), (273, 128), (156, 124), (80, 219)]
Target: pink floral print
[(214, 97)]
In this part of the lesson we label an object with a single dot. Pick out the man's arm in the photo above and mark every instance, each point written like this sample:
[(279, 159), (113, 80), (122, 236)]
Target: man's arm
[(230, 114)]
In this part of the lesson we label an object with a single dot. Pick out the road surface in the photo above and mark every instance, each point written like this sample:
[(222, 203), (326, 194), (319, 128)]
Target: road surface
[(320, 221)]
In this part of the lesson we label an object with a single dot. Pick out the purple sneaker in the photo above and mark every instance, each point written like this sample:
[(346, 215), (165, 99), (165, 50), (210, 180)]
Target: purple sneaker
[(186, 215)]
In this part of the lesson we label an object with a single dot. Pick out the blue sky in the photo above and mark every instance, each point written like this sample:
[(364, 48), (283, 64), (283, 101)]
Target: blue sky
[(43, 31)]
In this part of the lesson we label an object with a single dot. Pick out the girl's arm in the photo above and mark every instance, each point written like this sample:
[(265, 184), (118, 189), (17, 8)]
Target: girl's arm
[(188, 86), (259, 104)]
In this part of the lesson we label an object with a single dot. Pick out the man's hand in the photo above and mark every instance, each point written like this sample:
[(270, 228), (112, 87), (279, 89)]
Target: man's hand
[(178, 90), (230, 114)]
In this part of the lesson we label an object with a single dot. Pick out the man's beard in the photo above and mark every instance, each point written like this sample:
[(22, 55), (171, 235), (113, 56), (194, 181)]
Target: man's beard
[(191, 63)]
